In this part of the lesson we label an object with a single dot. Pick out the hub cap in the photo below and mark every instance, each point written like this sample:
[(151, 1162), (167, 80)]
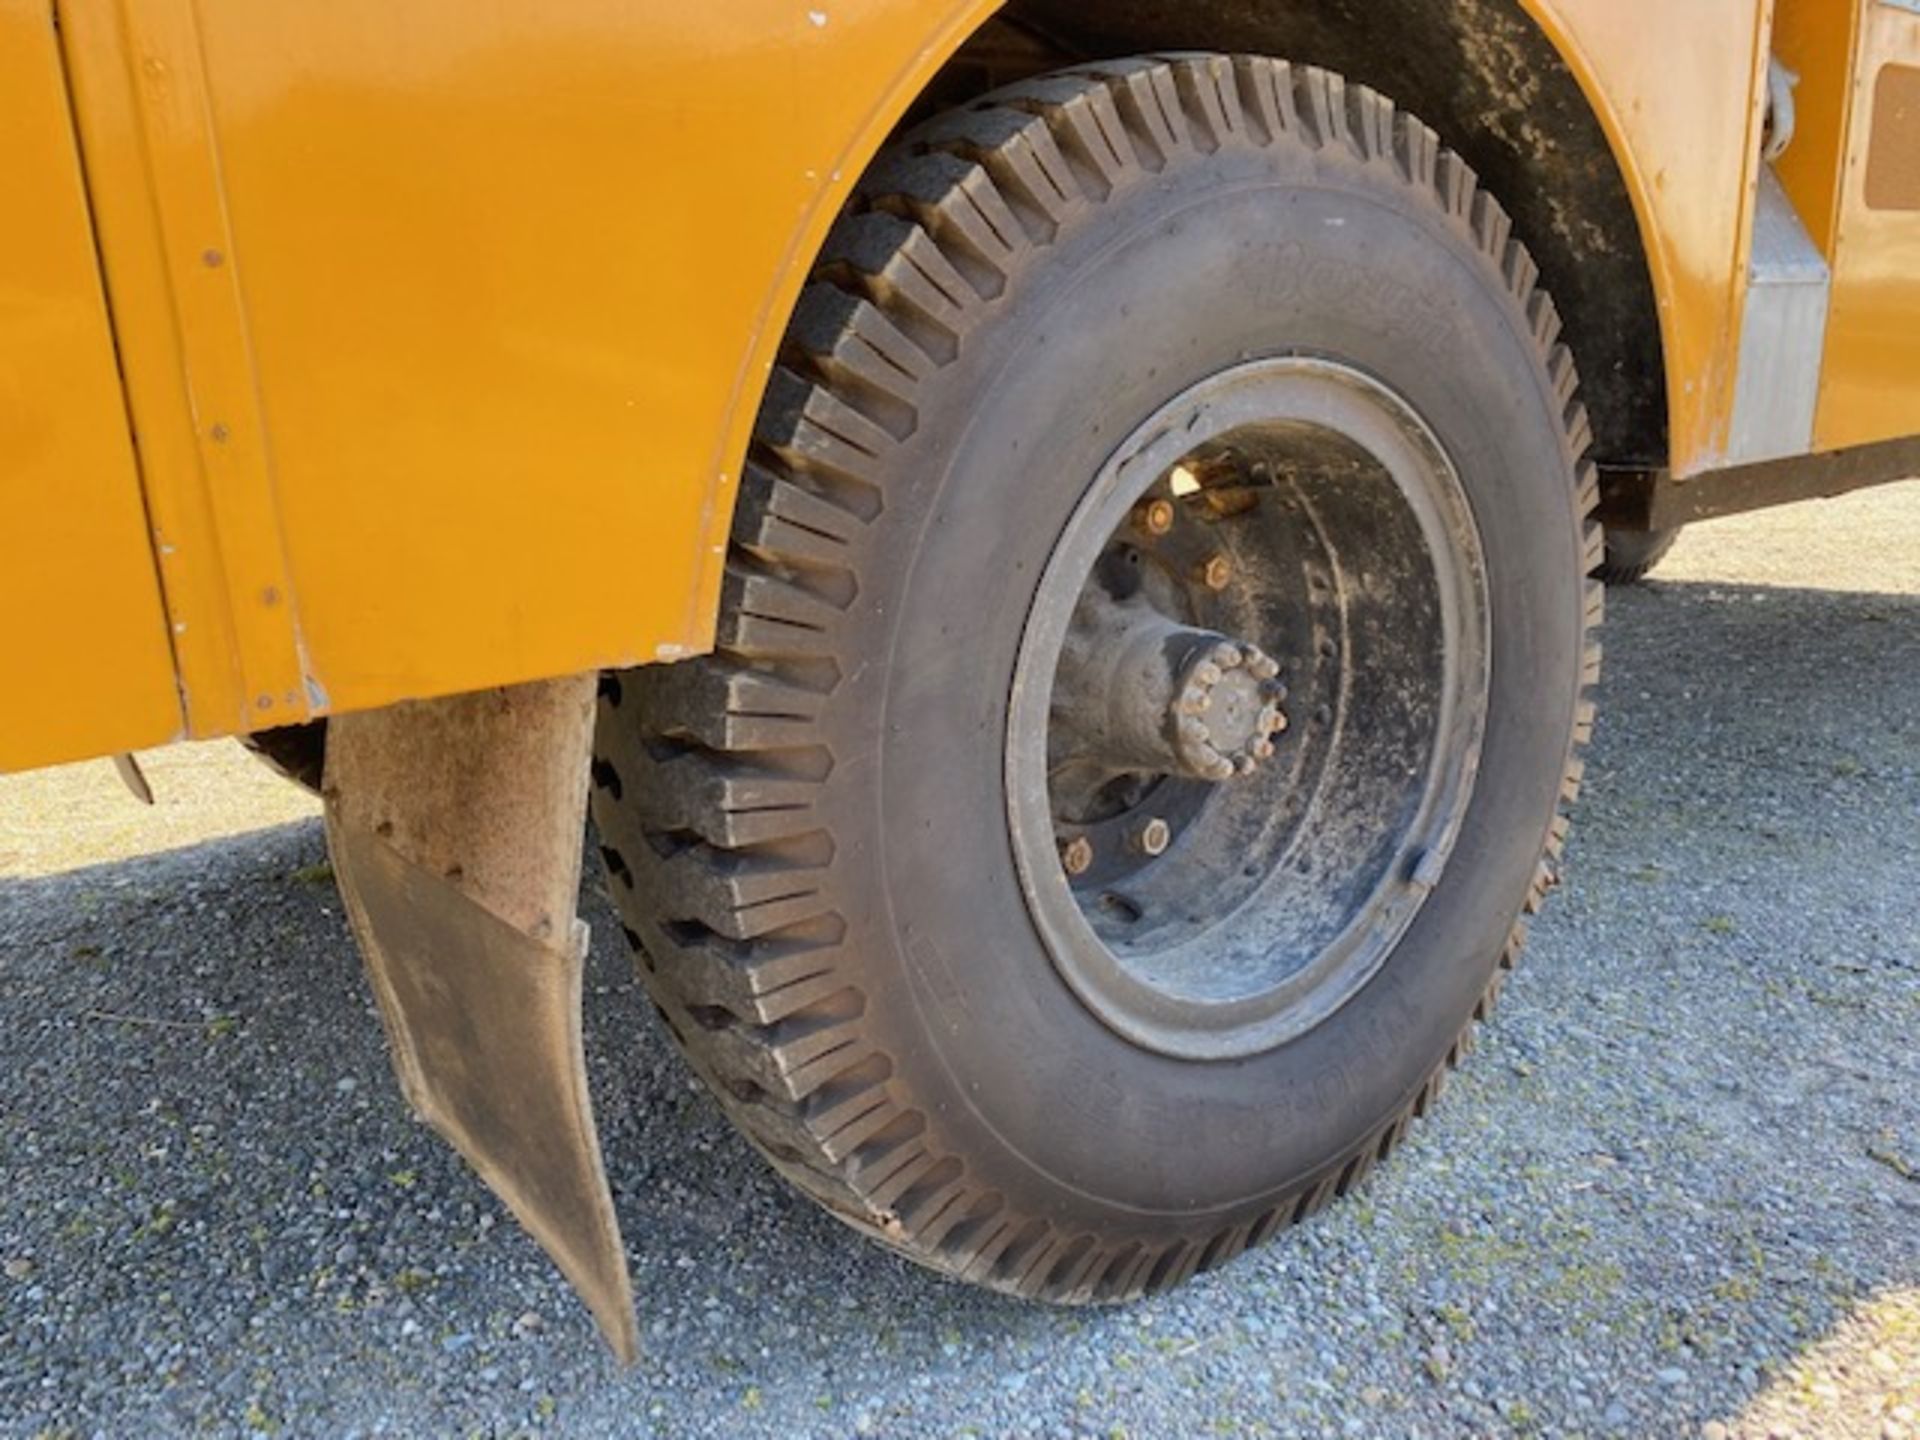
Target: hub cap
[(1248, 708)]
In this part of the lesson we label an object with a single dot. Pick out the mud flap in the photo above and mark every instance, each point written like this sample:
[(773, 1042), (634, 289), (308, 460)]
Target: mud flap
[(456, 828)]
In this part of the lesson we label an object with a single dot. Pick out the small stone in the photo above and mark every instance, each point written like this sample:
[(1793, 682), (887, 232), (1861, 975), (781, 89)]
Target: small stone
[(1672, 1375), (1714, 1430), (529, 1323), (19, 1268)]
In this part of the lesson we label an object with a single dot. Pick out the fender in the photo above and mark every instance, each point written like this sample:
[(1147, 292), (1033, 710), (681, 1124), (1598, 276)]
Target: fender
[(1686, 145)]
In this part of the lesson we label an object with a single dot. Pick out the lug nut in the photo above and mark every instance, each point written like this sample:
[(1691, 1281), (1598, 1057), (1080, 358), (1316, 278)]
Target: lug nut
[(1076, 855), (1152, 837), (1154, 517), (1215, 572)]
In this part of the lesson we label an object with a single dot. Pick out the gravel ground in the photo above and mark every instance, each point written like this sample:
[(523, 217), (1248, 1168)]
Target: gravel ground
[(1676, 1191)]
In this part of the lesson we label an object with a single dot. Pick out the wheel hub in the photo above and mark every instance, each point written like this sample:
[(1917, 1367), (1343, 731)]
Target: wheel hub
[(1139, 691), (1248, 708)]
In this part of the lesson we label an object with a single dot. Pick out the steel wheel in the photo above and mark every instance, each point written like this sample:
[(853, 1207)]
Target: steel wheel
[(1248, 707)]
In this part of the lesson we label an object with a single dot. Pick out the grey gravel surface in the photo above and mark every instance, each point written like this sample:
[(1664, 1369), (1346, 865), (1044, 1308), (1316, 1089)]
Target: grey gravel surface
[(1675, 1191)]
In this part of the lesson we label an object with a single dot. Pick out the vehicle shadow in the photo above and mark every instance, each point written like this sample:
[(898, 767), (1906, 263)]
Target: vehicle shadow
[(1684, 1153)]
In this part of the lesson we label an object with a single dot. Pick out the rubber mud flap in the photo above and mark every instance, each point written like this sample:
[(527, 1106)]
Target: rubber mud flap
[(455, 828)]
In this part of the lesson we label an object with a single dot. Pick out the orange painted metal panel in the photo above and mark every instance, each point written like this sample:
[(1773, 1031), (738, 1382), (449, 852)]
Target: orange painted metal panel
[(1870, 388), (509, 278), (1679, 90), (1817, 40), (84, 662), (114, 88), (445, 324)]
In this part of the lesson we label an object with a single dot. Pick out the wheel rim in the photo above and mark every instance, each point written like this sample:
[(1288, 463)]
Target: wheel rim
[(1248, 708)]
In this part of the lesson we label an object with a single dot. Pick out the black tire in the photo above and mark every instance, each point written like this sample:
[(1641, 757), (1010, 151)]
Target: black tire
[(807, 831), (1631, 555)]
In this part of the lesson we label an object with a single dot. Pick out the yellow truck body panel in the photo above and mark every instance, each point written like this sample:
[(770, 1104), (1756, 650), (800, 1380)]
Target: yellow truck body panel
[(1870, 387), (443, 326), (84, 661)]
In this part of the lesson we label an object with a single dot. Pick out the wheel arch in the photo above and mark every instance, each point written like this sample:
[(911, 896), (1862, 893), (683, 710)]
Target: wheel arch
[(1506, 82)]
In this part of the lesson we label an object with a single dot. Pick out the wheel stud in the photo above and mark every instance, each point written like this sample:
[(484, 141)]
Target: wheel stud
[(1151, 837), (1153, 517), (1076, 855), (1215, 572)]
